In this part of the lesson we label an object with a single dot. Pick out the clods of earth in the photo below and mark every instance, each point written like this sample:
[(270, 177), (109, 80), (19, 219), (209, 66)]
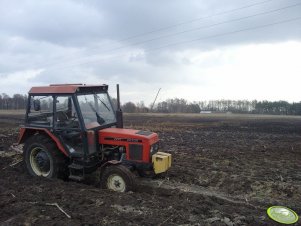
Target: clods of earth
[(227, 170)]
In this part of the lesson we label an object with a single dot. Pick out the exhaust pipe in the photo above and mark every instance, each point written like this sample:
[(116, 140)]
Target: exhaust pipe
[(119, 115)]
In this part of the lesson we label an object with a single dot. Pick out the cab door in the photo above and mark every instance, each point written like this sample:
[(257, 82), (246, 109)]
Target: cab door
[(67, 125)]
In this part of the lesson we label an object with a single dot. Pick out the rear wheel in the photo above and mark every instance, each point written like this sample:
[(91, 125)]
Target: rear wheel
[(118, 178), (42, 158)]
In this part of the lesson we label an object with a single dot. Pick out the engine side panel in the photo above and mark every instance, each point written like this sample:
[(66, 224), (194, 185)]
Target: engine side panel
[(136, 143)]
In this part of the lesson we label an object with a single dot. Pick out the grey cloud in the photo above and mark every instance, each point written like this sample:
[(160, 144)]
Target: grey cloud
[(80, 22), (69, 39), (146, 16), (52, 21)]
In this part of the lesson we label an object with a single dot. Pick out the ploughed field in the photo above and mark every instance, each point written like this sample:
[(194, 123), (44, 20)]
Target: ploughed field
[(227, 170)]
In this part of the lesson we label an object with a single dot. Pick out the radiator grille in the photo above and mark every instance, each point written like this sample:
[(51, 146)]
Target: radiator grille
[(136, 151)]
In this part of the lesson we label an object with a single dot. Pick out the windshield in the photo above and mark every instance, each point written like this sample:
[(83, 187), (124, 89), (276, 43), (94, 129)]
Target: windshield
[(96, 109)]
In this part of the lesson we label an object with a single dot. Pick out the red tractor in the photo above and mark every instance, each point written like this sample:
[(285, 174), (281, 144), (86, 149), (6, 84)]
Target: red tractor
[(72, 130)]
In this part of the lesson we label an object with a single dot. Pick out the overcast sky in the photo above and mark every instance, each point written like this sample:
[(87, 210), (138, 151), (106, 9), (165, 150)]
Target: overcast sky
[(192, 49)]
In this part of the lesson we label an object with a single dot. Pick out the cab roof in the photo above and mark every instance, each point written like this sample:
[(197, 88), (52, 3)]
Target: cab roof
[(68, 89)]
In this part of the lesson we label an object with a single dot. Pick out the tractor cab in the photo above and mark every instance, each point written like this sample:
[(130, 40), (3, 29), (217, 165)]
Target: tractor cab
[(72, 130), (71, 115)]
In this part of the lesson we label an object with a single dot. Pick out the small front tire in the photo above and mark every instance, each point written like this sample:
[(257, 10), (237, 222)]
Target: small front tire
[(118, 178)]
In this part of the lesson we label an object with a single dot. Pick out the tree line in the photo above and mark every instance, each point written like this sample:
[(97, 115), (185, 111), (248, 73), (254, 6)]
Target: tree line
[(16, 102), (178, 105)]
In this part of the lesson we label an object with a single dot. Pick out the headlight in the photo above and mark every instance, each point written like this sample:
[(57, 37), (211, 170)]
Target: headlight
[(154, 148)]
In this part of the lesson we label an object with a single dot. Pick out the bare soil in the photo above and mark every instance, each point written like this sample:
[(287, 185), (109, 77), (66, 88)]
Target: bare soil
[(227, 170)]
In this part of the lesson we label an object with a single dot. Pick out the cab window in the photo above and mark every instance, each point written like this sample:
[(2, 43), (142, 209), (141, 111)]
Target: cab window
[(40, 110)]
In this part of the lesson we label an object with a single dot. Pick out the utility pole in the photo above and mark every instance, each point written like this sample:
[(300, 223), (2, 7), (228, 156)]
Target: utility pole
[(155, 99)]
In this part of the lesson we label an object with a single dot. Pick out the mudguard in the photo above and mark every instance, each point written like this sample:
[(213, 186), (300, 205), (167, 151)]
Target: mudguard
[(26, 132)]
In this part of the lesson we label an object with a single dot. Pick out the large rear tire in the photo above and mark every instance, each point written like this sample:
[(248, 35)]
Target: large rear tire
[(118, 178), (42, 158)]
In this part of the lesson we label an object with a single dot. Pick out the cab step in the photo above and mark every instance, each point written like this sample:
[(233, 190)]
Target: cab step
[(75, 166), (76, 172)]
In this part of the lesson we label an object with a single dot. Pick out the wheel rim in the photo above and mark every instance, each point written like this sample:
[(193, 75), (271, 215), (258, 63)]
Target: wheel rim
[(40, 162), (116, 183)]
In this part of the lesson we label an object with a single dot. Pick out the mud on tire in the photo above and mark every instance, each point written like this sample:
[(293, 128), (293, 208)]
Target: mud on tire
[(118, 178), (42, 158)]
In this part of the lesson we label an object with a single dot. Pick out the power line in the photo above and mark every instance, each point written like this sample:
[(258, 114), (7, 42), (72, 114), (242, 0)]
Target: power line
[(203, 38), (188, 21), (228, 33), (194, 29), (211, 25), (193, 20)]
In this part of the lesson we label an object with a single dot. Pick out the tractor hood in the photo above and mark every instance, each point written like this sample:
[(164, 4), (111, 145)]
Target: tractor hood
[(117, 136)]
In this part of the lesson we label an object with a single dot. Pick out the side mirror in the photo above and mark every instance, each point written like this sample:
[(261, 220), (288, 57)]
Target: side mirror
[(37, 105)]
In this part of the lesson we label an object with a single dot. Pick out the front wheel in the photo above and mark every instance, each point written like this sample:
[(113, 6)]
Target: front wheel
[(118, 178)]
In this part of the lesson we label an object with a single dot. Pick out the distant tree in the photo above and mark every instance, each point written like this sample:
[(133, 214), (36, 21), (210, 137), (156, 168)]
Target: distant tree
[(6, 101), (162, 107), (193, 108), (129, 107), (295, 109), (19, 101), (141, 108), (1, 102)]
